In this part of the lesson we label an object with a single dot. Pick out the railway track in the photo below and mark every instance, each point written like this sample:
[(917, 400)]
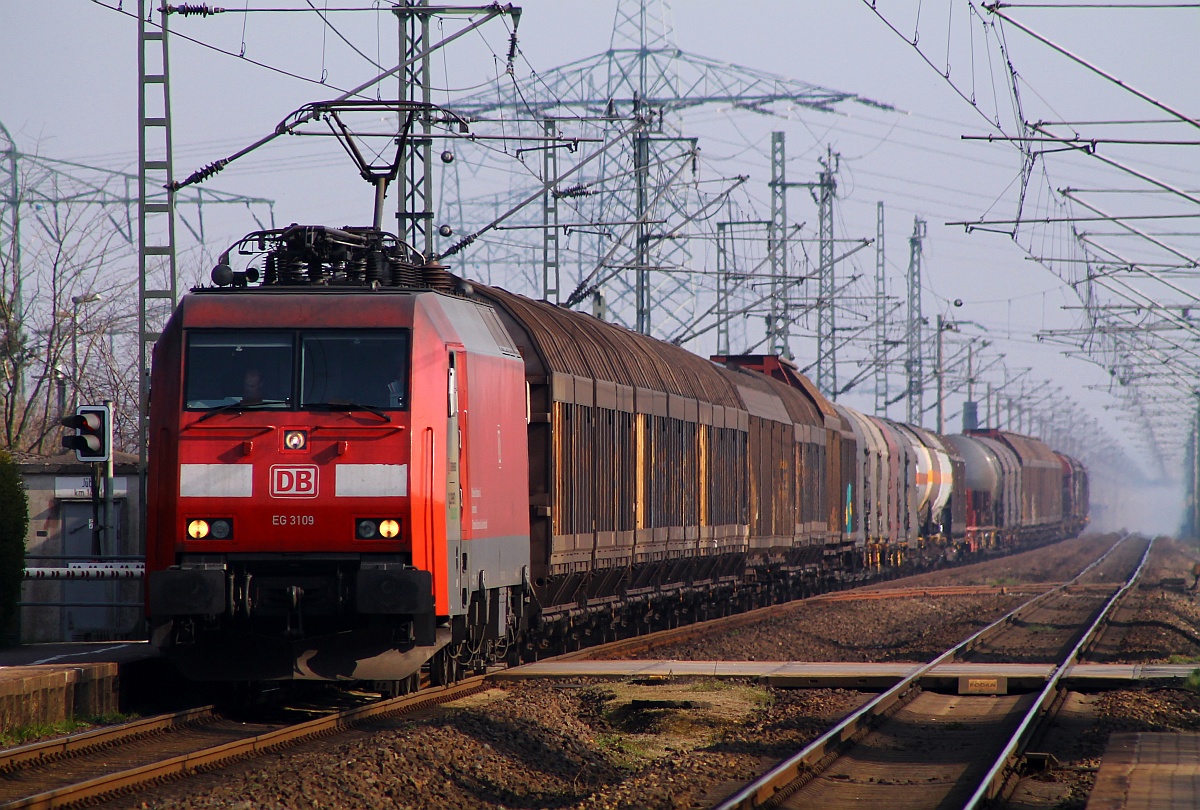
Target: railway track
[(111, 761), (909, 748), (647, 643), (864, 594), (641, 645)]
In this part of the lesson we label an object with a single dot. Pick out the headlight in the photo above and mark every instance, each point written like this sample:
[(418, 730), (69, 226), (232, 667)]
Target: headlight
[(375, 528), (210, 529)]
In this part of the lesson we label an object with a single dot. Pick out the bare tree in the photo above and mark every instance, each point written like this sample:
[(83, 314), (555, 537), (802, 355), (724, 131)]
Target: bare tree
[(67, 297), (68, 288)]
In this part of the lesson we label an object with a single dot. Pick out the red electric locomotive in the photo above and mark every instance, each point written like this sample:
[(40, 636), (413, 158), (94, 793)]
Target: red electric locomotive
[(336, 462)]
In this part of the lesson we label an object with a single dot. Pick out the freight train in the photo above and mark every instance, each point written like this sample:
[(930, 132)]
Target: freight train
[(362, 466)]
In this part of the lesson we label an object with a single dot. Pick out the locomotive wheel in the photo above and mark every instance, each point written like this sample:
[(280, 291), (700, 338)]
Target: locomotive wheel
[(439, 669), (404, 686), (443, 668)]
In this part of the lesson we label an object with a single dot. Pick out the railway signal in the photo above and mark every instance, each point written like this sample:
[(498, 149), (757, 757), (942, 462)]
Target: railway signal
[(92, 441)]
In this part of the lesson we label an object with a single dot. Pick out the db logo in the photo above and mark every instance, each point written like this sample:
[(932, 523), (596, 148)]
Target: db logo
[(293, 481)]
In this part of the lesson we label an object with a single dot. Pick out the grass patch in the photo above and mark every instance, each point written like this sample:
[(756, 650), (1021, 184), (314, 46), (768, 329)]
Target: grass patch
[(755, 695), (1003, 582), (622, 751), (713, 685), (12, 737), (1183, 659)]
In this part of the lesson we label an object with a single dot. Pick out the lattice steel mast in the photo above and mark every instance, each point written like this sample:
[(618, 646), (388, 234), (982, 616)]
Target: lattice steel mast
[(779, 320), (881, 343), (826, 191), (551, 254), (414, 198), (913, 364), (157, 276)]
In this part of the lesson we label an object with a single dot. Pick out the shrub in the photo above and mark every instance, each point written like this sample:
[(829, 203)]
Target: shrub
[(14, 522), (1192, 681)]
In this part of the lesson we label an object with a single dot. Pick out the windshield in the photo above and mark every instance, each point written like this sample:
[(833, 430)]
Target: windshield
[(365, 369), (226, 368)]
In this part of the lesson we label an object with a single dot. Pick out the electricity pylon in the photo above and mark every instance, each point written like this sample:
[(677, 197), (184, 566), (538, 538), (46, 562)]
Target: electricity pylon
[(639, 201)]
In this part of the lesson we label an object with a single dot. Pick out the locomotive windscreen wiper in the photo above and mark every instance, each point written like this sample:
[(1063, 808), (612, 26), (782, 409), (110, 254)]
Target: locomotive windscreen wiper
[(241, 405), (344, 405)]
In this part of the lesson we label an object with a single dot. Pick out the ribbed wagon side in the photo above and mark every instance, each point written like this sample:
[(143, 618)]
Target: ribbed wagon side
[(659, 480), (818, 442), (1074, 494), (638, 453), (1040, 494)]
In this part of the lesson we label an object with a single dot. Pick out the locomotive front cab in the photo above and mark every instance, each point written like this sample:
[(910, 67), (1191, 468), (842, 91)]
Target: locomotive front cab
[(281, 528)]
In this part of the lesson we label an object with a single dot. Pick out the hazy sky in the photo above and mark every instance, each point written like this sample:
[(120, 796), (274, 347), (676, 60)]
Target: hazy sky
[(70, 92)]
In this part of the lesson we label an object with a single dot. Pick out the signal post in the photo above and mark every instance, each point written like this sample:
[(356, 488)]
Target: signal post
[(92, 443)]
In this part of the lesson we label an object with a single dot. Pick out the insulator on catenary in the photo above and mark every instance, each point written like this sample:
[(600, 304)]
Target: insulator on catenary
[(512, 50), (462, 243), (201, 175), (577, 190), (194, 9)]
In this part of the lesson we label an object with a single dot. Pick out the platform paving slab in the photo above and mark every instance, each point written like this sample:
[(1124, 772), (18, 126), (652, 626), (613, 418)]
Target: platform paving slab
[(1148, 771)]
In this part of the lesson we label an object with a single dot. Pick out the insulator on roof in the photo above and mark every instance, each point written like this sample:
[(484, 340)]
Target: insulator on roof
[(320, 256)]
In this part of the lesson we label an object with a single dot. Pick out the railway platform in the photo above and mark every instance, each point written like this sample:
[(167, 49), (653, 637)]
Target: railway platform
[(42, 684), (965, 678), (48, 694), (1147, 770), (77, 652)]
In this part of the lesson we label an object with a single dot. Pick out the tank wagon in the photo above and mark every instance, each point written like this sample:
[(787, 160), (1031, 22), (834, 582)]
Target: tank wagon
[(362, 465)]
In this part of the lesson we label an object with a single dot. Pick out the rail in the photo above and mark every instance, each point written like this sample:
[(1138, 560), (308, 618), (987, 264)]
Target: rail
[(185, 764), (806, 761), (636, 645), (74, 743), (866, 594), (998, 773)]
